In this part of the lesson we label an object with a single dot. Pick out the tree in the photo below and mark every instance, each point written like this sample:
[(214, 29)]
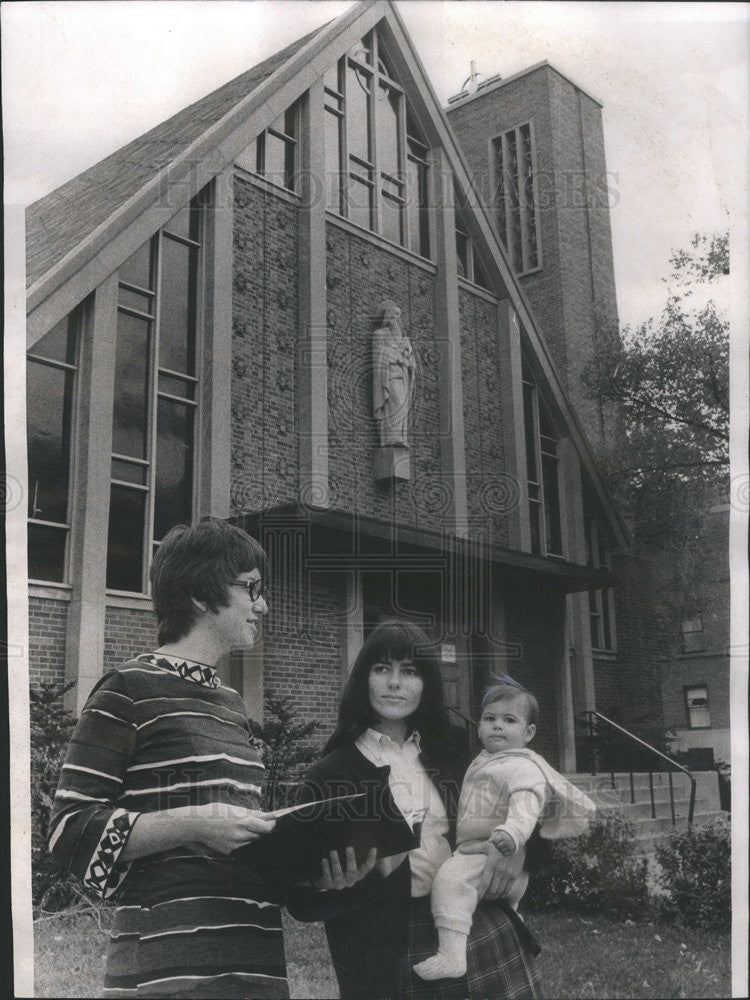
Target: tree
[(668, 379)]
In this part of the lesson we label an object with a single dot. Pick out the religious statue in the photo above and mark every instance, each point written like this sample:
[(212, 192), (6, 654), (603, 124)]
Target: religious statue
[(394, 371)]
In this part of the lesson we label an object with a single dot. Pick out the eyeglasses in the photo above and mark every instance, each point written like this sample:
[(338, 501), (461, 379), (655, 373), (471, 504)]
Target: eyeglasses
[(254, 588)]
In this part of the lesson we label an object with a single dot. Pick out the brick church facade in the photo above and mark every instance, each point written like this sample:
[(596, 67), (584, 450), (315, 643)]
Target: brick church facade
[(201, 312)]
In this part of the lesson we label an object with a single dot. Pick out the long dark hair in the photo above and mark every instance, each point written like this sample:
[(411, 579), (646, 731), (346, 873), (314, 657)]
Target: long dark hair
[(393, 640)]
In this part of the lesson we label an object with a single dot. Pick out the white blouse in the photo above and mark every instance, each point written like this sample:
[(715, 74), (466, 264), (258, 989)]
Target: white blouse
[(419, 801)]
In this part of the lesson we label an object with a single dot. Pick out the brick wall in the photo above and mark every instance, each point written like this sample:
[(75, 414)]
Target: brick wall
[(305, 664), (488, 493), (572, 294), (607, 686), (696, 671), (641, 644), (48, 620), (265, 466), (127, 633), (534, 622)]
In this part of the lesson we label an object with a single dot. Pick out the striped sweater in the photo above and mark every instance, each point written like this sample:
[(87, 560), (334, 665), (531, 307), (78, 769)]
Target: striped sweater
[(161, 733)]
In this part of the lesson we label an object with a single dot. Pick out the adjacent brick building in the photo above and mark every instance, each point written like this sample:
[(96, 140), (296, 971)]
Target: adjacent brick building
[(201, 307)]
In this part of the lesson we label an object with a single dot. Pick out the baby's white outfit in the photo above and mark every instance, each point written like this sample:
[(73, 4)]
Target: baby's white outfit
[(509, 790)]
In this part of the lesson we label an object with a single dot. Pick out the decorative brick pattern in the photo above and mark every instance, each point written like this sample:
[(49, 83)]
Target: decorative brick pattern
[(265, 357), (361, 277), (48, 620), (488, 492)]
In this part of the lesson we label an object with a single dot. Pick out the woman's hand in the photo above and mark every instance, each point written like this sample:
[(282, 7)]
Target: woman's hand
[(334, 877), (217, 826), (496, 880), (224, 828)]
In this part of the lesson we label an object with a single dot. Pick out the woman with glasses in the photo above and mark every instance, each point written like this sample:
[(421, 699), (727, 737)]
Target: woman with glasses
[(161, 783)]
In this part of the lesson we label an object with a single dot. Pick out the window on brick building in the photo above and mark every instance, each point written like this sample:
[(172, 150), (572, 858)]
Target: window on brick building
[(542, 471), (515, 197), (467, 259), (601, 600), (156, 398), (376, 156), (693, 640), (51, 373), (276, 150), (696, 703)]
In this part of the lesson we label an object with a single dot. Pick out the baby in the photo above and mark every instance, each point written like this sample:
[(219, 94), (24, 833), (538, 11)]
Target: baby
[(507, 790)]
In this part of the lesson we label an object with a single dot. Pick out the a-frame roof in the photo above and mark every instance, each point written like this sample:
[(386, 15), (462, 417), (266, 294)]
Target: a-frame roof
[(58, 222), (183, 154)]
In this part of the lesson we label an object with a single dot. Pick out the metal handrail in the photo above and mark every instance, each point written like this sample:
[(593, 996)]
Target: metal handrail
[(592, 714)]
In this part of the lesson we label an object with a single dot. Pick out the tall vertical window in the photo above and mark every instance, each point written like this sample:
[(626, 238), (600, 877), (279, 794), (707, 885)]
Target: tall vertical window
[(50, 392), (467, 259), (696, 702), (601, 600), (156, 398), (542, 472), (516, 197), (376, 158)]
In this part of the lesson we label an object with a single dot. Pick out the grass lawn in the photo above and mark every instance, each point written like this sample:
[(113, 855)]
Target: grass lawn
[(581, 958)]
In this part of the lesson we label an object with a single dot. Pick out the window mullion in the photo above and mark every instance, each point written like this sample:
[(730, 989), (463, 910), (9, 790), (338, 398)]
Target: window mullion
[(540, 474), (377, 215), (507, 212), (521, 183), (344, 164), (148, 533)]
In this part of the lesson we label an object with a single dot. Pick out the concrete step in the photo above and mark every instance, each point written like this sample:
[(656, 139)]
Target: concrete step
[(621, 796), (636, 811), (650, 831), (660, 779), (649, 838)]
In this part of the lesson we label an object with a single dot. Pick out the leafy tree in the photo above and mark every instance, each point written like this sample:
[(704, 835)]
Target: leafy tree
[(669, 381)]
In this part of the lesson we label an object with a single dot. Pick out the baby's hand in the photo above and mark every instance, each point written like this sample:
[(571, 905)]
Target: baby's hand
[(503, 842)]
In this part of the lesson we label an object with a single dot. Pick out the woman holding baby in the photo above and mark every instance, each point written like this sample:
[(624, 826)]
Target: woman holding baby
[(393, 727)]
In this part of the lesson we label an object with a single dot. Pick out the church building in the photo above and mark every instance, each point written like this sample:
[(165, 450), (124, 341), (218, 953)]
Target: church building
[(320, 305)]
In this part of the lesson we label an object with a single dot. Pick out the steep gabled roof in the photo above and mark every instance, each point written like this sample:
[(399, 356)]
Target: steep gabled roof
[(58, 222), (122, 200)]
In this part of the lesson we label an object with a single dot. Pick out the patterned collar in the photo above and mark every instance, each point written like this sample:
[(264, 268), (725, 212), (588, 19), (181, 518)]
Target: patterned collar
[(189, 670)]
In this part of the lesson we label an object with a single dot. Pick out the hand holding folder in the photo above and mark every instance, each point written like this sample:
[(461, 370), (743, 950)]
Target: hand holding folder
[(307, 833)]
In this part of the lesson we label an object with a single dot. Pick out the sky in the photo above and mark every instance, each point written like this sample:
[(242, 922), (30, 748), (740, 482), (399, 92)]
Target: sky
[(80, 79)]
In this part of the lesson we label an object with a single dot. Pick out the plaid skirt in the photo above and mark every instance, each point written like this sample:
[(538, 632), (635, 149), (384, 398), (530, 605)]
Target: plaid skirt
[(500, 957)]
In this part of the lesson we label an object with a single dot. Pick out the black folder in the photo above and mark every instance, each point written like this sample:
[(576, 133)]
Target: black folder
[(293, 851)]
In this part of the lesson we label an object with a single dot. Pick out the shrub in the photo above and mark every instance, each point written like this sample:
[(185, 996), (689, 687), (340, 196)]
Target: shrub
[(600, 871), (52, 886), (695, 875), (284, 744)]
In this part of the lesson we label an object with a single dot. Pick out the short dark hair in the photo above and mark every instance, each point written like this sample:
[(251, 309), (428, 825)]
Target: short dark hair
[(393, 640), (198, 562), (507, 692)]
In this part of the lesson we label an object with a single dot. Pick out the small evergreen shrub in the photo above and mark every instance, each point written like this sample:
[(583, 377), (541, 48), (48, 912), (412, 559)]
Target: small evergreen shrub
[(695, 876), (599, 872), (284, 744), (52, 886)]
